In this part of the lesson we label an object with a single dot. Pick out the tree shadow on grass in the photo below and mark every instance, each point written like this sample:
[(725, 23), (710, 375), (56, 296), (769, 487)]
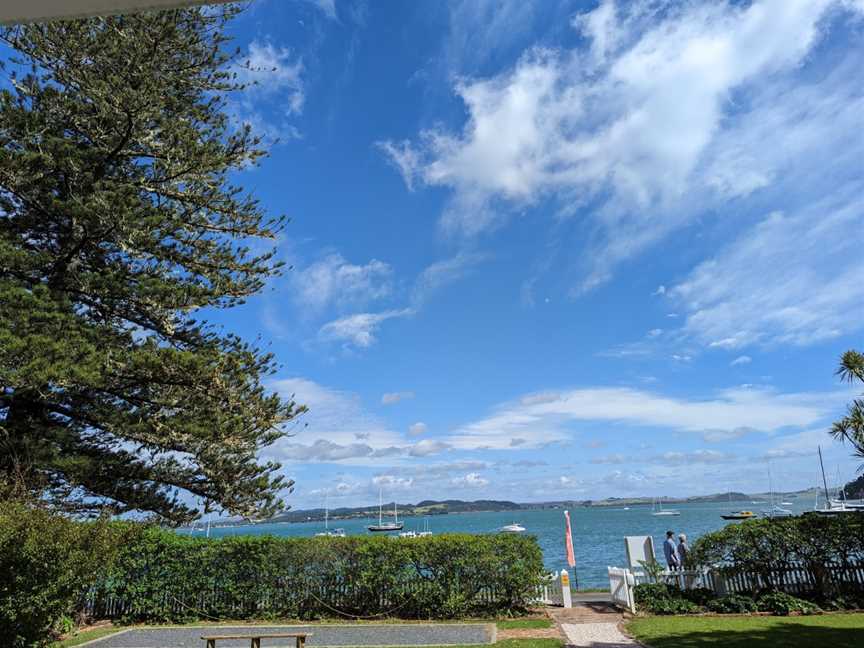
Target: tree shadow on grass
[(786, 635)]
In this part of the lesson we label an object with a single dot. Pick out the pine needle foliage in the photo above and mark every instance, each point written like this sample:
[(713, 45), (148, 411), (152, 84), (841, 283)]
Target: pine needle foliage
[(119, 223)]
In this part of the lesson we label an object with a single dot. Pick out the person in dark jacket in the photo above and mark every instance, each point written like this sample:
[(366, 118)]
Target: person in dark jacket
[(670, 551)]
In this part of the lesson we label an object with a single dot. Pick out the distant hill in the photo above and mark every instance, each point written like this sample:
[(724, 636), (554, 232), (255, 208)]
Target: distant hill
[(453, 506)]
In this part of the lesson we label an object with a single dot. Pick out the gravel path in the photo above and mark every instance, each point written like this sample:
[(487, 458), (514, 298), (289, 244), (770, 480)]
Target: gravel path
[(438, 634), (594, 635)]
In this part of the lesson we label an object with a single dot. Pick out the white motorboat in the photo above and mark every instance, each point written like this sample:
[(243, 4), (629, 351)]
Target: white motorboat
[(513, 528)]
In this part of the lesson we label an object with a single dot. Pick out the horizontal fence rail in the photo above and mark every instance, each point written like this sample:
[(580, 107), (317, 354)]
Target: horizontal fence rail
[(308, 597)]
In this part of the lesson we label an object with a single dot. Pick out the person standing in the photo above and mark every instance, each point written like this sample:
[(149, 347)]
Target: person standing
[(683, 550), (670, 551)]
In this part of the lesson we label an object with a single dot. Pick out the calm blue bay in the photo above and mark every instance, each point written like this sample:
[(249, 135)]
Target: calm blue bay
[(598, 533)]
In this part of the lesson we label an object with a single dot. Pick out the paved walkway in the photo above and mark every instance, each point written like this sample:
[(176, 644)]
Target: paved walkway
[(413, 634), (594, 624)]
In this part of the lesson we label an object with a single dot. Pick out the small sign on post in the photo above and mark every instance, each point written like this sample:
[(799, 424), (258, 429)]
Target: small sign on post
[(565, 589)]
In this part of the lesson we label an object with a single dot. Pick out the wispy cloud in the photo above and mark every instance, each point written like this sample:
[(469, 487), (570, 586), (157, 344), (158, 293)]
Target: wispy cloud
[(391, 398), (416, 429), (359, 329), (337, 429), (548, 417), (275, 93), (327, 7), (643, 134), (333, 281), (752, 292)]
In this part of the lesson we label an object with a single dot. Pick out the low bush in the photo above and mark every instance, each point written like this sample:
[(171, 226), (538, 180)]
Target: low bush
[(783, 604), (661, 598), (46, 563), (164, 577), (699, 595), (732, 604), (829, 549)]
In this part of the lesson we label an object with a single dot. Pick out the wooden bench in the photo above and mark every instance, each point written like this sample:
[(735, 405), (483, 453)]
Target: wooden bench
[(256, 638)]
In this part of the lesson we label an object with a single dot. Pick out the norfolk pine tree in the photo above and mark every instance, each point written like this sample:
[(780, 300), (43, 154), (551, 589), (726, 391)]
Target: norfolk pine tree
[(118, 222)]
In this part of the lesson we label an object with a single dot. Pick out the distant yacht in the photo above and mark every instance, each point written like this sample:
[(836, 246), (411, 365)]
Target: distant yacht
[(661, 512), (739, 515), (382, 526), (513, 528), (328, 532), (775, 511), (417, 534)]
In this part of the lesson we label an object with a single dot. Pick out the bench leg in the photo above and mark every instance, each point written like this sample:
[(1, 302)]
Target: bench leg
[(256, 642), (211, 643), (301, 642)]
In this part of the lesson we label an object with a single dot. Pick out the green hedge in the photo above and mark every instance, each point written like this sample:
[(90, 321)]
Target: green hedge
[(46, 561), (765, 547), (163, 576)]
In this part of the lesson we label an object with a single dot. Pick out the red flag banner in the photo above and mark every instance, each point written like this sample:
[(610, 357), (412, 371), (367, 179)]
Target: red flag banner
[(568, 539)]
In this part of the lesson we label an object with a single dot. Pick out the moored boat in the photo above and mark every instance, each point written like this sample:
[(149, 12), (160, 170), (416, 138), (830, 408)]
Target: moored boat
[(383, 527), (739, 515), (513, 528)]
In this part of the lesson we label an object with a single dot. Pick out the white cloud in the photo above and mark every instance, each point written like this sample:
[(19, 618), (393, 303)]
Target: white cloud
[(391, 398), (741, 360), (643, 131), (471, 480), (275, 92), (549, 419), (359, 329), (428, 447), (417, 429), (338, 429), (441, 273), (333, 281), (792, 279), (392, 482)]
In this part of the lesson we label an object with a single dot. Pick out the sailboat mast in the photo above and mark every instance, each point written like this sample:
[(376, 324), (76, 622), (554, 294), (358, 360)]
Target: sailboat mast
[(395, 512), (824, 481), (326, 514), (380, 504)]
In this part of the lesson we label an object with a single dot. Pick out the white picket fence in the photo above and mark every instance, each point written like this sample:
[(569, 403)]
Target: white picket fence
[(550, 591), (792, 579)]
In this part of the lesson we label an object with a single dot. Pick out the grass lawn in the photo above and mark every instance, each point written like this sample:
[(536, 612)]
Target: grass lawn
[(834, 630), (87, 635), (524, 624)]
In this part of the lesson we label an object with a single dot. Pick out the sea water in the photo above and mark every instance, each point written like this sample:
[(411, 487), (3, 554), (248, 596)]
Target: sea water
[(598, 532)]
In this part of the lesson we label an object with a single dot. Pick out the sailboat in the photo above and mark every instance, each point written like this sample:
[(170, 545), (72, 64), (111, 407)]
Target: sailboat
[(417, 534), (776, 511), (663, 512), (327, 533), (395, 525), (835, 506)]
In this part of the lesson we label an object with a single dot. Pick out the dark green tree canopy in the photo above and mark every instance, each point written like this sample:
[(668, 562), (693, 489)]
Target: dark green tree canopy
[(118, 222), (851, 427)]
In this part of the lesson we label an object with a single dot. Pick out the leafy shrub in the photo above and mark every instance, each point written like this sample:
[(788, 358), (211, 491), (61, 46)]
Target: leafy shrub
[(732, 604), (46, 562), (783, 604), (765, 547), (662, 598), (162, 576), (700, 596)]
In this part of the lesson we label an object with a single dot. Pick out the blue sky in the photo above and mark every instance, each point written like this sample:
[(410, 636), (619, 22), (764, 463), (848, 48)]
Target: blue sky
[(558, 250)]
